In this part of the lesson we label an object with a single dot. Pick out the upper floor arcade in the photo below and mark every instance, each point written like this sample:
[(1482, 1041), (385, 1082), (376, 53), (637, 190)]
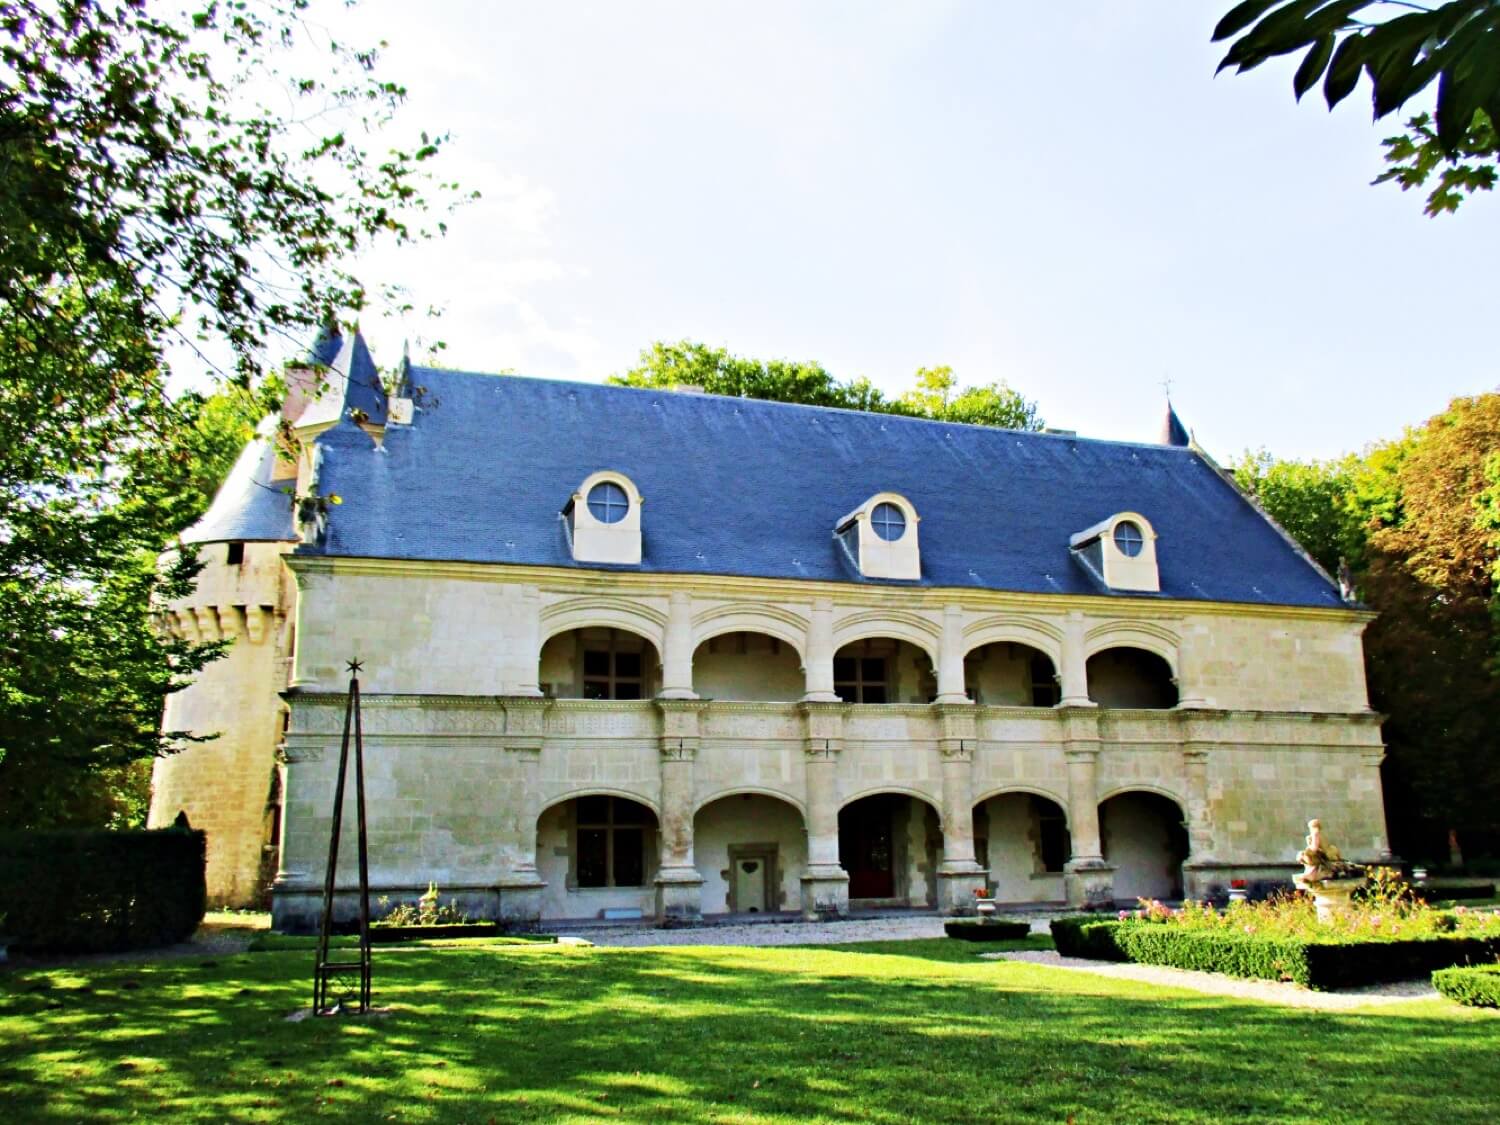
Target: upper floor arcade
[(456, 629)]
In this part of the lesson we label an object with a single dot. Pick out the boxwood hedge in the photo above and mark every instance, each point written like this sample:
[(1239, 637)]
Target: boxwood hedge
[(93, 891), (994, 930), (1089, 936), (1314, 964), (1477, 986)]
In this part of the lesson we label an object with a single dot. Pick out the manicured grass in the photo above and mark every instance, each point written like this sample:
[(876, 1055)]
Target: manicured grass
[(897, 1033)]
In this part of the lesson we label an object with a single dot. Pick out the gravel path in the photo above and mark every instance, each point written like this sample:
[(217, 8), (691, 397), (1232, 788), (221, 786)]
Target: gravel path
[(1215, 984), (901, 928)]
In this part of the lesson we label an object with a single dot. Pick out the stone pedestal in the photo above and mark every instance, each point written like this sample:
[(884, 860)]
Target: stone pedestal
[(1090, 883), (679, 895), (956, 886), (825, 892), (1332, 897)]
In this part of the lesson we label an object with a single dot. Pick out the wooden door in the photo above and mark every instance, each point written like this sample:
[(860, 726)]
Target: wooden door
[(865, 848)]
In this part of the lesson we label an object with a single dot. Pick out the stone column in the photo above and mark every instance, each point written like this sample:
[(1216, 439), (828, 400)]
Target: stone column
[(677, 655), (825, 884), (679, 887), (1089, 880), (959, 875), (1191, 694), (819, 666), (1074, 671), (520, 884), (950, 670)]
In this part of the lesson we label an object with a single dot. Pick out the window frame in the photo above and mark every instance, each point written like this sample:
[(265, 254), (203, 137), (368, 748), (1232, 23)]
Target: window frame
[(609, 503), (612, 827), (860, 683), (612, 679)]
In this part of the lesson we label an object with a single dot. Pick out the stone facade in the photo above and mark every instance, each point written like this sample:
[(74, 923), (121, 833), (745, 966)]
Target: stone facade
[(229, 785), (475, 777)]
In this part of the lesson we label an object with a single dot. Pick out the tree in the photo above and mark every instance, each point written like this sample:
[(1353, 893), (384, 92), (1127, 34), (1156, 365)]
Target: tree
[(1417, 520), (1455, 44), (686, 363), (151, 198)]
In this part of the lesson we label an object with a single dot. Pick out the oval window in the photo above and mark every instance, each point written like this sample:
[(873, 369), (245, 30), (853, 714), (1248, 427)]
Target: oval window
[(888, 521), (608, 502), (1129, 538)]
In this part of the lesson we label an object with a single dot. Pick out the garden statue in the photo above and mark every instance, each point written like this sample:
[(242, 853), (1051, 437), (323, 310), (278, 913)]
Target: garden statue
[(1325, 875)]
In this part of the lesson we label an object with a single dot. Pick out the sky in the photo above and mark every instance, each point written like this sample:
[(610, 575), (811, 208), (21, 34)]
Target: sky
[(1061, 196)]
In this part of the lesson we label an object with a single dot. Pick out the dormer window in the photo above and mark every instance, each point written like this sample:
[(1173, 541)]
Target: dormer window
[(1120, 552), (881, 537), (604, 520), (608, 502)]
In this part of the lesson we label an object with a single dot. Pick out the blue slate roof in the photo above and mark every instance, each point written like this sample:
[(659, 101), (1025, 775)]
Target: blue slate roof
[(351, 382), (745, 487), (248, 506)]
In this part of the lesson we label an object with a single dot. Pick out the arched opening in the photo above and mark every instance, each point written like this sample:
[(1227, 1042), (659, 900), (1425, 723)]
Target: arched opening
[(890, 844), (1131, 677), (598, 856), (1010, 674), (1022, 841), (883, 670), (599, 663), (1145, 839), (751, 850), (751, 667)]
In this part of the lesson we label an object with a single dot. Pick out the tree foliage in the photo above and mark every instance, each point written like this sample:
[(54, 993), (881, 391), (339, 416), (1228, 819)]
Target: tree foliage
[(1419, 521), (936, 394), (151, 197), (1403, 48)]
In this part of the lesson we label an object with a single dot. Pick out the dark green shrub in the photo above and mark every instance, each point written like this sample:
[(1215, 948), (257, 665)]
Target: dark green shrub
[(1314, 964), (987, 931), (1089, 936), (1477, 986), (93, 891)]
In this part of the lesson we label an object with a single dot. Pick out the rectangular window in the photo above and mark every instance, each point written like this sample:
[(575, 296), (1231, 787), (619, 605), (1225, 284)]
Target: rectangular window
[(861, 680), (235, 555), (1045, 691), (608, 674), (1056, 847), (610, 848)]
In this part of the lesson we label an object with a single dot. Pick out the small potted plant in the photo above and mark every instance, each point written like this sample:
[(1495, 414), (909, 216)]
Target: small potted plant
[(1238, 891), (984, 903)]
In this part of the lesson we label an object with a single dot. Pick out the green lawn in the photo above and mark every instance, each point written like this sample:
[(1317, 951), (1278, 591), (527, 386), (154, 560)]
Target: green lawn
[(901, 1033)]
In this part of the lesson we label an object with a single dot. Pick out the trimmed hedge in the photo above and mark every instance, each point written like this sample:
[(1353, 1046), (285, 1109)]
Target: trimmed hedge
[(987, 931), (1453, 892), (1477, 986), (1088, 936), (1313, 964), (93, 891)]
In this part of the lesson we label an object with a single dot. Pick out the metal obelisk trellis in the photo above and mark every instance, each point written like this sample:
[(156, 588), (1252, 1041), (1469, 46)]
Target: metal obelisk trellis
[(326, 971)]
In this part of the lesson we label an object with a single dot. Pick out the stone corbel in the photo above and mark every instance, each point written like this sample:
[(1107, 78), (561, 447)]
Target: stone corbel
[(187, 625), (255, 623), (208, 623), (229, 622)]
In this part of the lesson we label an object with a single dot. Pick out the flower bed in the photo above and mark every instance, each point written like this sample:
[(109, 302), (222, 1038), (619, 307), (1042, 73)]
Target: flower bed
[(1477, 986), (985, 930)]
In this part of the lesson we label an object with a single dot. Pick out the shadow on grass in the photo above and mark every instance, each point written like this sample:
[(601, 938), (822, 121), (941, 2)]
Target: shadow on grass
[(897, 1033)]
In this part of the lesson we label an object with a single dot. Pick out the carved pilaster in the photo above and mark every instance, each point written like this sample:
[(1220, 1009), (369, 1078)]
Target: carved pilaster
[(825, 884), (959, 875)]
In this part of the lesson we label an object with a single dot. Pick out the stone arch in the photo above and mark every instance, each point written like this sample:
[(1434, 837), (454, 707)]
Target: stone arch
[(599, 791), (1146, 635), (1129, 677), (891, 846), (750, 848), (1028, 790), (773, 621), (898, 624), (933, 799), (1143, 835), (751, 791), (611, 613), (1029, 631), (1146, 787)]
